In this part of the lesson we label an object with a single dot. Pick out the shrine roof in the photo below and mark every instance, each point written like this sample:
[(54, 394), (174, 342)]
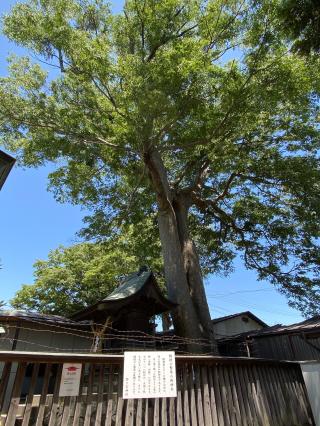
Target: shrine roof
[(130, 285), (136, 291)]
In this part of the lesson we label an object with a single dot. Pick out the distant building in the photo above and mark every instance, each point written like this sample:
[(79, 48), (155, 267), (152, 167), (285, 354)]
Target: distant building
[(122, 320), (231, 325), (295, 342), (6, 164), (34, 332)]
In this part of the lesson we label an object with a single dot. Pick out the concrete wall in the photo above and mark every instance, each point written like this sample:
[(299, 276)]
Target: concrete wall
[(233, 326), (311, 375)]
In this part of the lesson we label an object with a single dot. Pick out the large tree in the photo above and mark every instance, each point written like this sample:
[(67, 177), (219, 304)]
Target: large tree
[(300, 21), (192, 110)]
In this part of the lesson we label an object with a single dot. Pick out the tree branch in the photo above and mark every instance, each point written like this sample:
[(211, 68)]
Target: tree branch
[(106, 93), (166, 40), (159, 178), (225, 192), (204, 206)]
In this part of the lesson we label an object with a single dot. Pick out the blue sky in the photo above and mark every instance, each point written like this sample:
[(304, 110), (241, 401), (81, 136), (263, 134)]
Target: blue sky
[(32, 223)]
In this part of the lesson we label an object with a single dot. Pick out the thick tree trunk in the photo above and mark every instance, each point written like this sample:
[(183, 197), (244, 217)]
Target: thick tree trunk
[(192, 268), (185, 317), (182, 269)]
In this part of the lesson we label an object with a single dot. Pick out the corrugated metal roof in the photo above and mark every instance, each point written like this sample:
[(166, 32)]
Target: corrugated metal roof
[(37, 317), (309, 325), (130, 285)]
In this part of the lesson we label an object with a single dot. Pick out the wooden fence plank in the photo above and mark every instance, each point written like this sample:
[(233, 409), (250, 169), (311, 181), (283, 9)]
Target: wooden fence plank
[(230, 401), (79, 399), (286, 414), (98, 419), (288, 397), (146, 413), (280, 398), (88, 411), (179, 409), (172, 412), (301, 392), (164, 416), (129, 412), (259, 408), (244, 414), (271, 395), (217, 393), (120, 401), (4, 382), (43, 397), (302, 395), (206, 397), (73, 405), (291, 376), (247, 398), (224, 396), (110, 397), (55, 398), (65, 413), (192, 399), (29, 399), (261, 396), (139, 413), (156, 412), (214, 412), (186, 403), (249, 394), (267, 398), (235, 397), (198, 395), (16, 392)]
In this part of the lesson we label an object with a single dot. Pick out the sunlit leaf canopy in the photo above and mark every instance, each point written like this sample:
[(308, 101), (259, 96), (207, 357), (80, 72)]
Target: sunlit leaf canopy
[(301, 24), (73, 278), (212, 86)]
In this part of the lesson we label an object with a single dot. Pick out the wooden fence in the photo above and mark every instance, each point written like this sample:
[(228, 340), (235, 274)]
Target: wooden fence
[(211, 391)]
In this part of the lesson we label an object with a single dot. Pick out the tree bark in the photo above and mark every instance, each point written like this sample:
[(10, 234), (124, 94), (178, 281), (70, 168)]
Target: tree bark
[(181, 264), (192, 267), (185, 317)]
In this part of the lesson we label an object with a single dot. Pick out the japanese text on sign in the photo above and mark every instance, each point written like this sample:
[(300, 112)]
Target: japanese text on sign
[(149, 375), (70, 380)]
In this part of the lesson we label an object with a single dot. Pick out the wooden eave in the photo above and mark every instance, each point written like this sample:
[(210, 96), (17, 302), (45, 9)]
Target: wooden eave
[(149, 292), (6, 164)]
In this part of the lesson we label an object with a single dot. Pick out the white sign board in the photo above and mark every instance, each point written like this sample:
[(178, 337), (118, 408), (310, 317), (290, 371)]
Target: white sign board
[(149, 374), (70, 380)]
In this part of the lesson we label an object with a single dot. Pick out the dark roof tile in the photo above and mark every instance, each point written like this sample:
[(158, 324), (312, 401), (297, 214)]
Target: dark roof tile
[(130, 285)]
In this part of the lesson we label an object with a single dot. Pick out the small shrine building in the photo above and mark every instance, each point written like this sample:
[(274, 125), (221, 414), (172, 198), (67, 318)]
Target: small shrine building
[(125, 319)]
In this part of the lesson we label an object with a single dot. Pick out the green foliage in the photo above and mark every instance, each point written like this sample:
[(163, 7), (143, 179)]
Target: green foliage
[(300, 21), (77, 276), (209, 85)]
